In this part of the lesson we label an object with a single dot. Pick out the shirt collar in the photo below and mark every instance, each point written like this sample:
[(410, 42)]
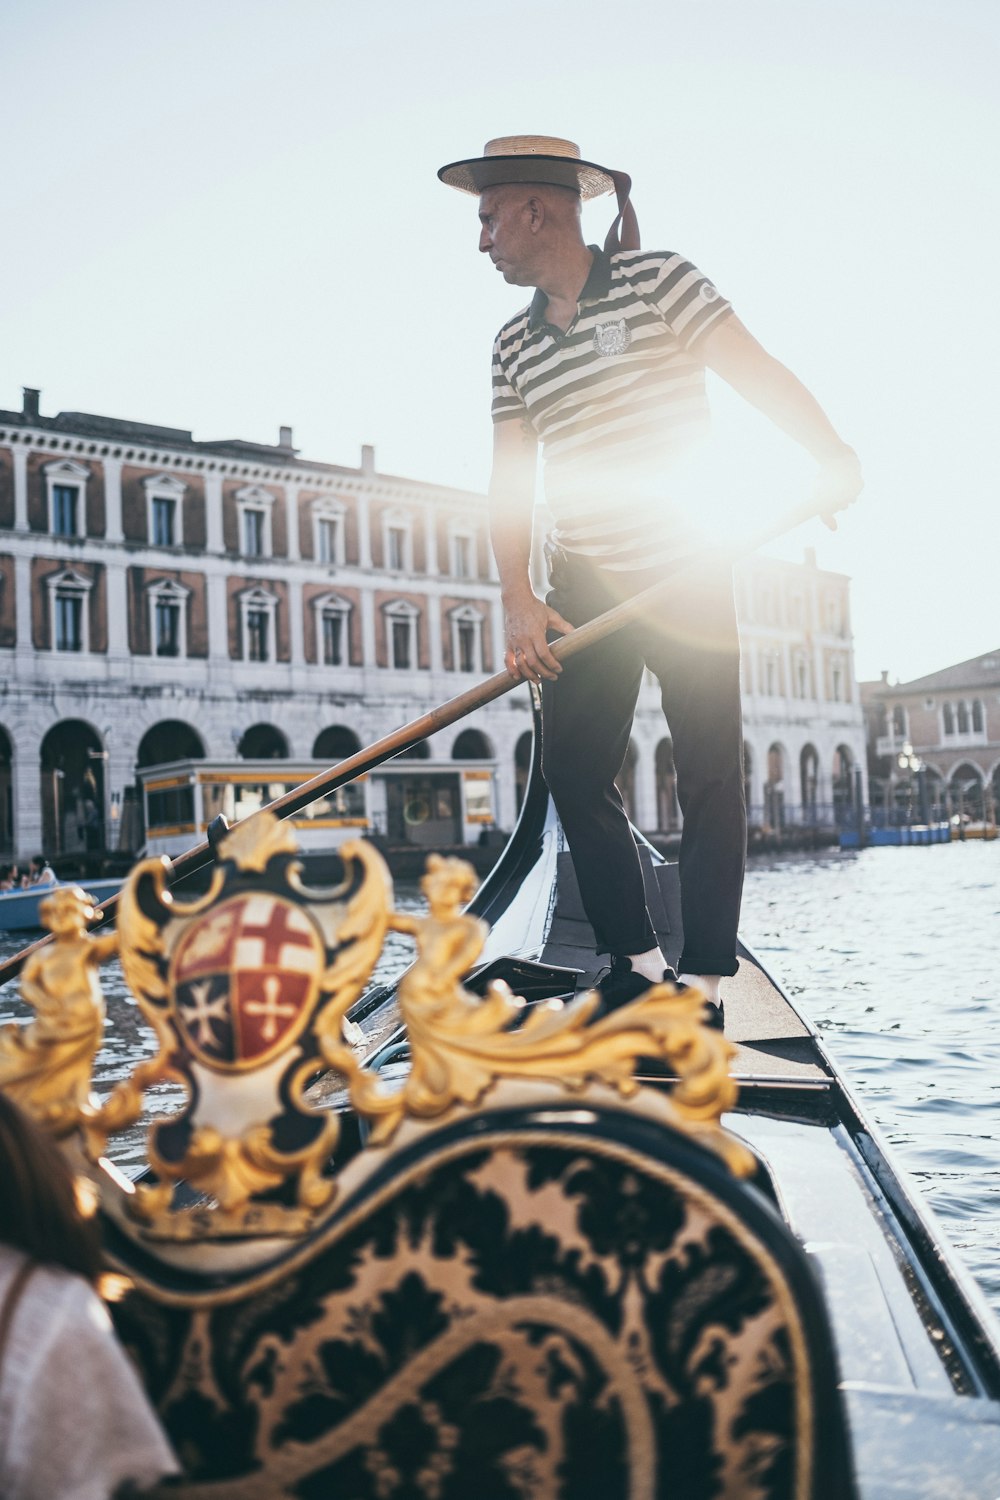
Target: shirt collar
[(597, 285)]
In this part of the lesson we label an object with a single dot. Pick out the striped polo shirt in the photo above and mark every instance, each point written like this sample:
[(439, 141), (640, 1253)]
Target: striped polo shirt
[(618, 402)]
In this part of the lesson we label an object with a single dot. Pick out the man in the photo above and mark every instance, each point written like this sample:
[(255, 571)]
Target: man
[(605, 369)]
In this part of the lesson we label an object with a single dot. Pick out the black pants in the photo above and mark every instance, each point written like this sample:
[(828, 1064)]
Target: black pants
[(689, 639)]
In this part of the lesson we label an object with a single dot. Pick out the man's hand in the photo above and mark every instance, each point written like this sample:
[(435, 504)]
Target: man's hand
[(838, 484), (527, 621)]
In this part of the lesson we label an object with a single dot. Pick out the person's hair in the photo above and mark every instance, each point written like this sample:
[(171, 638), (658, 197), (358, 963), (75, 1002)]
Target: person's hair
[(39, 1212), (38, 859)]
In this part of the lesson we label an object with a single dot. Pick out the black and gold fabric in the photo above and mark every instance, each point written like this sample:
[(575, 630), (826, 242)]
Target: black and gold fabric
[(536, 1304)]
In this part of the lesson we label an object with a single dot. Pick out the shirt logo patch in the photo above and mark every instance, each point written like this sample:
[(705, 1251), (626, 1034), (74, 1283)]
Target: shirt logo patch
[(612, 338)]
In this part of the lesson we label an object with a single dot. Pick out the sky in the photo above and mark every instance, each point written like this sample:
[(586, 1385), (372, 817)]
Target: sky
[(223, 215)]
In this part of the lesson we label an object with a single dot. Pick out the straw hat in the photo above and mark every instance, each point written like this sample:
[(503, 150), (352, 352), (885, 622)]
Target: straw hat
[(529, 158)]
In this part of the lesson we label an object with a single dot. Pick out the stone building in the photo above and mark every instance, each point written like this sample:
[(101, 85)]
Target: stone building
[(944, 727), (164, 599), (169, 600), (804, 745)]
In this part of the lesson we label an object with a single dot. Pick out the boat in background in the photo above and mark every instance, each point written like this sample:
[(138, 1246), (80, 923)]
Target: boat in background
[(19, 909), (908, 833)]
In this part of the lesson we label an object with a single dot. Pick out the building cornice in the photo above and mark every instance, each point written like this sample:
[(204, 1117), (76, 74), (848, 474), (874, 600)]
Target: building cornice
[(210, 458)]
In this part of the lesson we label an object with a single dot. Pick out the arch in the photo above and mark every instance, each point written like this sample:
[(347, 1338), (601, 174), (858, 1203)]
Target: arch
[(965, 789), (625, 780), (808, 778), (262, 742), (472, 744), (419, 751), (170, 739), (6, 792), (994, 784), (71, 762), (335, 742), (668, 816), (843, 782), (522, 764), (774, 786), (934, 793)]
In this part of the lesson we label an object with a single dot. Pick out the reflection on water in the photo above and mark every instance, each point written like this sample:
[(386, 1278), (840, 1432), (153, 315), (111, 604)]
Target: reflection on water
[(891, 952)]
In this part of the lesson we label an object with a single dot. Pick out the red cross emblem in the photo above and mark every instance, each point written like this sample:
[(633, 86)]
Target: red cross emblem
[(244, 978)]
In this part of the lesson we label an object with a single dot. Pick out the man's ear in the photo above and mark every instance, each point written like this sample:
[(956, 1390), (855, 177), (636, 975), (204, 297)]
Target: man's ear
[(536, 210)]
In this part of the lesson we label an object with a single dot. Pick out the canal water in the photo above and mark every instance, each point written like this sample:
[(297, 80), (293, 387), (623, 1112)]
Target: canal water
[(892, 953)]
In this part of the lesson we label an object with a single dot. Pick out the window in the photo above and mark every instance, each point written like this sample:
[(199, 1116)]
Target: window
[(401, 636), (963, 717), (397, 537), (68, 611), (64, 498), (66, 488), (168, 618), (164, 530), (466, 639), (328, 533), (328, 528), (259, 618), (837, 684), (402, 642), (770, 676), (767, 610), (466, 646), (254, 506), (977, 716), (463, 554), (163, 510), (258, 621), (69, 622), (948, 715), (253, 532), (332, 623), (168, 628), (333, 638)]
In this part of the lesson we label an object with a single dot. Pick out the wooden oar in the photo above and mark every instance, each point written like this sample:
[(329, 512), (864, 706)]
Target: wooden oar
[(455, 708)]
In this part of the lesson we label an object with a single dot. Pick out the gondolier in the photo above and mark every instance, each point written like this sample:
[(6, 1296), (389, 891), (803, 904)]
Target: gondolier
[(605, 369)]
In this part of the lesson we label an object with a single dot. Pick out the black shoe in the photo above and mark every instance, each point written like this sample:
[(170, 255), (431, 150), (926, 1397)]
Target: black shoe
[(711, 1014), (714, 1015), (622, 984)]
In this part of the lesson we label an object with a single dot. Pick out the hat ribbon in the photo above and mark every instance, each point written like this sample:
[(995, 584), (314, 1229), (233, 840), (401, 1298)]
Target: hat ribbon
[(624, 232)]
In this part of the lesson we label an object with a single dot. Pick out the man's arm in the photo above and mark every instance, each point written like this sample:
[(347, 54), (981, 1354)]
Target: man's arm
[(733, 352), (527, 619)]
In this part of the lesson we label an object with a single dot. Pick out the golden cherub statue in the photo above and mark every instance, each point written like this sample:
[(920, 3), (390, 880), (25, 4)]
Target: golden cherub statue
[(46, 1066)]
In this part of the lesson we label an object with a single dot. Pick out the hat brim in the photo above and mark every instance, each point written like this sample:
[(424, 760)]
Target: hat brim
[(477, 173)]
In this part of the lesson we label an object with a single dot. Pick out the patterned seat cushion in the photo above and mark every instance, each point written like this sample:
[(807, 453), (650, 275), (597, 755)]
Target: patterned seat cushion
[(557, 1305)]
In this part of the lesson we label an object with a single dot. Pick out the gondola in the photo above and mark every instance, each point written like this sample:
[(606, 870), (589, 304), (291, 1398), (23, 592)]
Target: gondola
[(512, 1249), (917, 1348)]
